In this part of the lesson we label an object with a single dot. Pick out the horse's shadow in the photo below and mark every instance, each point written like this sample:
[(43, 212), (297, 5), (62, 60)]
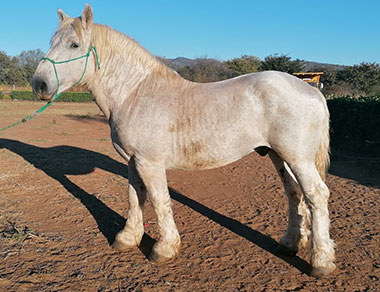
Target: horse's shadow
[(60, 161)]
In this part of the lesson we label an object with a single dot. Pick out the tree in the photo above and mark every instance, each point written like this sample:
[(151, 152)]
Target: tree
[(5, 60), (281, 63), (10, 73), (243, 65), (29, 60), (19, 70), (205, 70), (364, 78), (328, 79)]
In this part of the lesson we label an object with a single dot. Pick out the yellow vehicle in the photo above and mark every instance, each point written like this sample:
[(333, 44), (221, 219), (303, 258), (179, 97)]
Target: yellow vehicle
[(313, 78)]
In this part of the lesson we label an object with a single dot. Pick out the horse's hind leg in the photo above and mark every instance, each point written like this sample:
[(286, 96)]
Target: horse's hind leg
[(154, 177), (133, 231), (316, 195), (298, 232)]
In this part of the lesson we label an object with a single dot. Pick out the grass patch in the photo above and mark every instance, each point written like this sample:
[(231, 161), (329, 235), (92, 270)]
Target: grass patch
[(40, 140), (65, 134), (14, 233), (65, 97)]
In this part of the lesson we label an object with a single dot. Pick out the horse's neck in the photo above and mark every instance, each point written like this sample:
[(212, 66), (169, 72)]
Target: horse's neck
[(122, 72), (115, 82)]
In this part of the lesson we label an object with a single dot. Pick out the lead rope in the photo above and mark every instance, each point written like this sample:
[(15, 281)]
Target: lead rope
[(56, 93)]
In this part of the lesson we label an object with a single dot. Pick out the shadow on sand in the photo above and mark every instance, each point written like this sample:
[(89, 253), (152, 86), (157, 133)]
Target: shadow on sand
[(60, 161), (364, 170)]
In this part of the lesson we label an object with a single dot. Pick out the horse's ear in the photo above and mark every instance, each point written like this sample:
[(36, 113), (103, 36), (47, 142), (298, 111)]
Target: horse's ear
[(62, 16), (87, 17)]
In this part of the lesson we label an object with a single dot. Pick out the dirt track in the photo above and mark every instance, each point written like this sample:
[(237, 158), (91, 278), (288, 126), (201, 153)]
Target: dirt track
[(63, 198)]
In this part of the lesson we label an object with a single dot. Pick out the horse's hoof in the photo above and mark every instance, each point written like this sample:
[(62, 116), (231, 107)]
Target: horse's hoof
[(320, 272), (162, 253), (126, 239), (118, 245), (159, 258), (283, 250)]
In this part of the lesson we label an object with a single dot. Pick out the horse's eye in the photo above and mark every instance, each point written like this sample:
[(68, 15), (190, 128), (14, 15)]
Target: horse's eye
[(74, 46)]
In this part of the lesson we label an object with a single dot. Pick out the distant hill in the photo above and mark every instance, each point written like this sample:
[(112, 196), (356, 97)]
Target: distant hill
[(314, 66), (180, 62)]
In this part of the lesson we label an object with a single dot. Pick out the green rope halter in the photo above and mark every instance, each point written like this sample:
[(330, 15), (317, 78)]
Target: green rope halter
[(56, 75)]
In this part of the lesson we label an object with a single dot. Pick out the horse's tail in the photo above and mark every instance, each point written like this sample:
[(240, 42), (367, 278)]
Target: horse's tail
[(322, 157)]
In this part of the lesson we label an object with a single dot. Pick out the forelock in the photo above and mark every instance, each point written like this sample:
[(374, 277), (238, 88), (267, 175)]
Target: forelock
[(78, 27)]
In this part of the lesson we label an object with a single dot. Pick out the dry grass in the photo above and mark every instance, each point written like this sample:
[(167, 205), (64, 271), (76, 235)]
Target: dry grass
[(14, 233), (8, 88), (5, 88)]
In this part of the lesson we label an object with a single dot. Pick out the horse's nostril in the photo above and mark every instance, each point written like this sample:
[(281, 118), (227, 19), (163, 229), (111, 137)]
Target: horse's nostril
[(39, 85), (43, 87)]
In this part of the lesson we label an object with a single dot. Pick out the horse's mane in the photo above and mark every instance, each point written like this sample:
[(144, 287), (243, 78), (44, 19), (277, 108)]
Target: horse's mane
[(109, 42)]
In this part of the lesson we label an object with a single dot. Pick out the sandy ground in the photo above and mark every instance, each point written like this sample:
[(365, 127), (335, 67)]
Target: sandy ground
[(63, 198)]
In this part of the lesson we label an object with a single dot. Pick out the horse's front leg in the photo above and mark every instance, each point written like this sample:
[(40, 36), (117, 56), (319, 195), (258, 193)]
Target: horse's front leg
[(154, 177), (133, 231)]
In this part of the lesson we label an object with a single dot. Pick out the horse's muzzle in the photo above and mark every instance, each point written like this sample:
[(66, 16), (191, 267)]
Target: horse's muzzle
[(40, 88)]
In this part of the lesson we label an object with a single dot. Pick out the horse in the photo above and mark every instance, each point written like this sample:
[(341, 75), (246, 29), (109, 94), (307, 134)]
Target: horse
[(160, 121)]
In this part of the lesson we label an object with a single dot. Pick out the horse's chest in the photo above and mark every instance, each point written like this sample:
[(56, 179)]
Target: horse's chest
[(119, 137)]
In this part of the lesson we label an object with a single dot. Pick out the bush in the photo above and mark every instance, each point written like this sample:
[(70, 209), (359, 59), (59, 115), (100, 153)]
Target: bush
[(65, 97), (1, 95), (355, 124), (76, 97), (23, 95)]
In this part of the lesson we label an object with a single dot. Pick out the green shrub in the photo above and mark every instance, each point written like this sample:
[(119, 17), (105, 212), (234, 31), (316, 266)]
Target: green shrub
[(355, 124), (65, 97), (76, 97), (1, 95), (23, 95)]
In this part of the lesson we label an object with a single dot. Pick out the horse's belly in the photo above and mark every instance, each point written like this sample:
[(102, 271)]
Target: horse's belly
[(211, 153)]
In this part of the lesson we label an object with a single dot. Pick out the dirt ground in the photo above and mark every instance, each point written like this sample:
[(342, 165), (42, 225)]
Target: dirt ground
[(63, 197)]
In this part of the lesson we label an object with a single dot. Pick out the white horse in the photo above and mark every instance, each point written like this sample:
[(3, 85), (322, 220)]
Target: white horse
[(161, 121)]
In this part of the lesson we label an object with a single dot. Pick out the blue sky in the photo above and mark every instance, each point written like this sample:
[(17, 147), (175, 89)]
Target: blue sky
[(330, 31)]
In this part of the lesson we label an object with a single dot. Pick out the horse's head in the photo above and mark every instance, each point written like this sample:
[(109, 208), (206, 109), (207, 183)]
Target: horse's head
[(72, 40)]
